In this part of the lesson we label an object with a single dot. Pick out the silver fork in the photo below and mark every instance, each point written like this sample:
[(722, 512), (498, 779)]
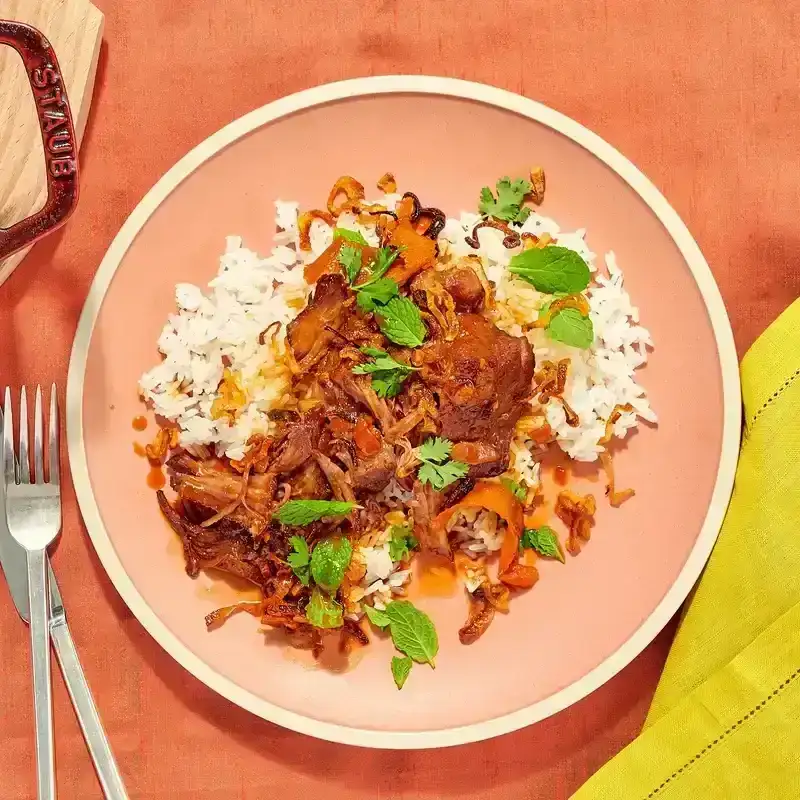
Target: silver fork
[(33, 513)]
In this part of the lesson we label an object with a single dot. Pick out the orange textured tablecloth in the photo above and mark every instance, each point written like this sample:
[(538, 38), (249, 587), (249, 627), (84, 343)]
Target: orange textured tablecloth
[(702, 96)]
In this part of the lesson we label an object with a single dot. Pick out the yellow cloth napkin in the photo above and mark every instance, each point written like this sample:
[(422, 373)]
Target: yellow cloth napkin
[(725, 720)]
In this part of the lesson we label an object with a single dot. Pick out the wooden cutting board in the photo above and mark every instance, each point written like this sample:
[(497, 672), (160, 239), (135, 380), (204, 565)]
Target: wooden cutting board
[(75, 29)]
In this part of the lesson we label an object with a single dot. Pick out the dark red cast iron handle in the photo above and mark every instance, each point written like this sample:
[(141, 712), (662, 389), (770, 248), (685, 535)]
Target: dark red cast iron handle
[(58, 137)]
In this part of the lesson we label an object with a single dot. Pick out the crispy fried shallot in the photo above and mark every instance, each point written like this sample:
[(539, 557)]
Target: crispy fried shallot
[(615, 497), (353, 193), (217, 618), (577, 513), (387, 183), (538, 185), (510, 240)]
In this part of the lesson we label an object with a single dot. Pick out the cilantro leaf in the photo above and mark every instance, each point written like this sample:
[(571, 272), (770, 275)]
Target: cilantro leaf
[(413, 632), (401, 322), (349, 236), (515, 488), (380, 619), (350, 259), (551, 269), (401, 667), (299, 559), (441, 476), (436, 469), (304, 512), (388, 384), (329, 562), (323, 611), (571, 327), (387, 373), (379, 266), (508, 204), (402, 541), (372, 295), (435, 449), (382, 362), (543, 540)]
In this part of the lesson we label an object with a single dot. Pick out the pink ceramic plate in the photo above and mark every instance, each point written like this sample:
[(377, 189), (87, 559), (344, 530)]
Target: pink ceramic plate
[(444, 139)]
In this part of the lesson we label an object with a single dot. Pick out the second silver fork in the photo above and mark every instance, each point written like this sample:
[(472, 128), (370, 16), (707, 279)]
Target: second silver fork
[(33, 513)]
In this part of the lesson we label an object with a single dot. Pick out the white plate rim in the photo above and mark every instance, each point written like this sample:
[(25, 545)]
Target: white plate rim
[(647, 631)]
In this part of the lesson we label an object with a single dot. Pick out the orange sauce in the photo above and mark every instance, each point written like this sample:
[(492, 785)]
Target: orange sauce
[(139, 450), (139, 423), (560, 475), (434, 576), (156, 478), (226, 589)]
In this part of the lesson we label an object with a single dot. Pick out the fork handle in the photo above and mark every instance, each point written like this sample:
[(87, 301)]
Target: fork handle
[(86, 711), (42, 686)]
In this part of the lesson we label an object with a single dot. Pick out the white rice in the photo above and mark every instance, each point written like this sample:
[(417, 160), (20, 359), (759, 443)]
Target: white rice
[(383, 579)]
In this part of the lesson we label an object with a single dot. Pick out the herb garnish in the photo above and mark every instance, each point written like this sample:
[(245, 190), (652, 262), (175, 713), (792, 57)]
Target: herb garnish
[(349, 236), (401, 666), (543, 540), (380, 619), (508, 204), (350, 259), (300, 559), (551, 269), (323, 611), (379, 266), (329, 562), (372, 295), (401, 322), (437, 469), (401, 542), (571, 327), (515, 488), (387, 373), (413, 632), (304, 512)]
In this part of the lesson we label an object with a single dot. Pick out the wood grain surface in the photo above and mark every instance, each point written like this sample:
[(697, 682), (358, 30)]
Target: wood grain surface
[(700, 94), (74, 29)]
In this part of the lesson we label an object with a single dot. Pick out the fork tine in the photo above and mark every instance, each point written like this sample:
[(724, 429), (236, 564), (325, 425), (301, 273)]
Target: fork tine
[(8, 441), (53, 446), (38, 443), (24, 458)]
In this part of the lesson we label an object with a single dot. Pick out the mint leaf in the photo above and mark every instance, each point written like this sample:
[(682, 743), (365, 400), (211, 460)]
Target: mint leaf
[(571, 327), (349, 236), (323, 611), (552, 269), (376, 294), (400, 669), (380, 619), (350, 258), (304, 512), (299, 560), (435, 449), (401, 322), (543, 540), (329, 562), (515, 488), (401, 542), (508, 204), (413, 632)]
